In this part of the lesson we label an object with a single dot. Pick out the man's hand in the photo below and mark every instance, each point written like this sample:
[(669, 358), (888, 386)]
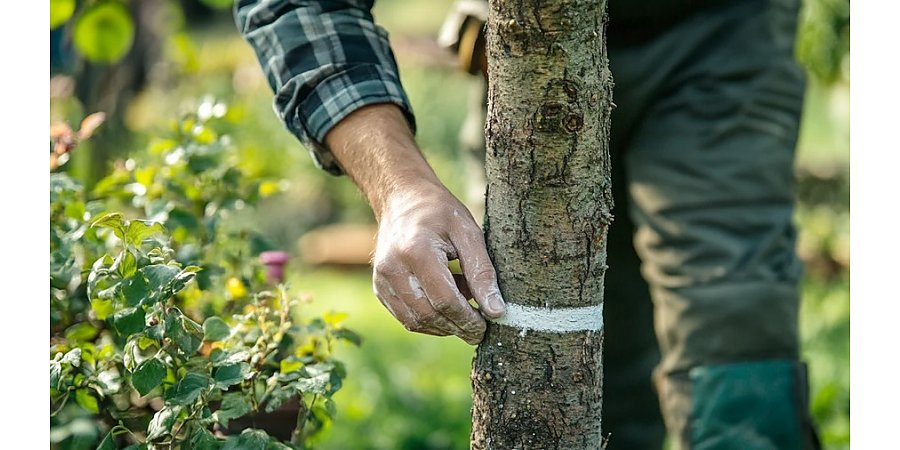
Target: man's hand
[(421, 227)]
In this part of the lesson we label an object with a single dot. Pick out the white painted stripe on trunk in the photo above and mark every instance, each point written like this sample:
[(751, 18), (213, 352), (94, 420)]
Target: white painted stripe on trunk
[(561, 320)]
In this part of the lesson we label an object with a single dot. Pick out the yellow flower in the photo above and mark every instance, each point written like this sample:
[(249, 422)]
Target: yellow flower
[(236, 288)]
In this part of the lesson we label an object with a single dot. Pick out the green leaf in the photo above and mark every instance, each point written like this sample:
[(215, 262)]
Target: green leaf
[(184, 332), (108, 442), (106, 351), (87, 356), (138, 230), (330, 408), (55, 373), (192, 327), (334, 319), (215, 329), (161, 424), (81, 332), (319, 368), (202, 439), (221, 357), (60, 12), (110, 220), (102, 308), (188, 389), (125, 264), (183, 278), (108, 292), (104, 32), (347, 335), (229, 375), (249, 439), (131, 354), (148, 375), (159, 275), (86, 400), (290, 365), (72, 357), (129, 320), (144, 342), (234, 405), (187, 342), (135, 290), (314, 385), (156, 332)]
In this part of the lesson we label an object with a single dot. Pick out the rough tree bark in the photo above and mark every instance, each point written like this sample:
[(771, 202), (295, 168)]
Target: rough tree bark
[(547, 213)]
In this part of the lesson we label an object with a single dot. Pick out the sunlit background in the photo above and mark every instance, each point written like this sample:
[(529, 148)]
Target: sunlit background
[(408, 391)]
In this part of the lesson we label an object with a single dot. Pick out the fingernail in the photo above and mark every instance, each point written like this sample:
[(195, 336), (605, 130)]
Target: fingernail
[(496, 303)]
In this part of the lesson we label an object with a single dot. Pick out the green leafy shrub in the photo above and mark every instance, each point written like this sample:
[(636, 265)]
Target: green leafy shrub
[(165, 331)]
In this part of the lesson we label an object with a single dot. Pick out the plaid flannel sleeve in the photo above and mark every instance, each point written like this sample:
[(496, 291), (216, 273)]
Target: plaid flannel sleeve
[(324, 59)]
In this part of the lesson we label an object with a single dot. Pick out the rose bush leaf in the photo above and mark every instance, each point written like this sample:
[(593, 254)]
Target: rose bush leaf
[(188, 389), (148, 375), (215, 329)]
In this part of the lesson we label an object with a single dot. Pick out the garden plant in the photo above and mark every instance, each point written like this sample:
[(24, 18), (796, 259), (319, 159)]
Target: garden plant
[(166, 330)]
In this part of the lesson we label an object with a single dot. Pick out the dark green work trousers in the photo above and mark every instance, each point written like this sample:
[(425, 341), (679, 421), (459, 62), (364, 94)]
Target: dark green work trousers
[(702, 287), (701, 252)]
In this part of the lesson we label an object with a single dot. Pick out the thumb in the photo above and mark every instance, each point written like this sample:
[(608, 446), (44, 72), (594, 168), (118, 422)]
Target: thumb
[(479, 273)]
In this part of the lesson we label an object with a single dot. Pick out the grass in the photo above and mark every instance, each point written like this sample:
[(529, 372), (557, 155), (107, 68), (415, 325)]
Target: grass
[(402, 391)]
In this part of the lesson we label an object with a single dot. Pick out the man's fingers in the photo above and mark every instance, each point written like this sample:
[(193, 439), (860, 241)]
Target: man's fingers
[(412, 318), (429, 317), (462, 285), (391, 301), (434, 279), (479, 271), (425, 317)]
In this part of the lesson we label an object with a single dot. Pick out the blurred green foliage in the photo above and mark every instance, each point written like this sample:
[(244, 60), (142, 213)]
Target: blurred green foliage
[(104, 31), (823, 39), (60, 12)]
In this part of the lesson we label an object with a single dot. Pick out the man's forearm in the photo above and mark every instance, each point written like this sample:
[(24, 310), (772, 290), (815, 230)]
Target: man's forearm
[(376, 148)]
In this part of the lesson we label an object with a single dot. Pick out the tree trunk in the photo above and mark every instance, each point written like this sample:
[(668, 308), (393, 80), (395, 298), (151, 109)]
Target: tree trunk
[(537, 376)]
